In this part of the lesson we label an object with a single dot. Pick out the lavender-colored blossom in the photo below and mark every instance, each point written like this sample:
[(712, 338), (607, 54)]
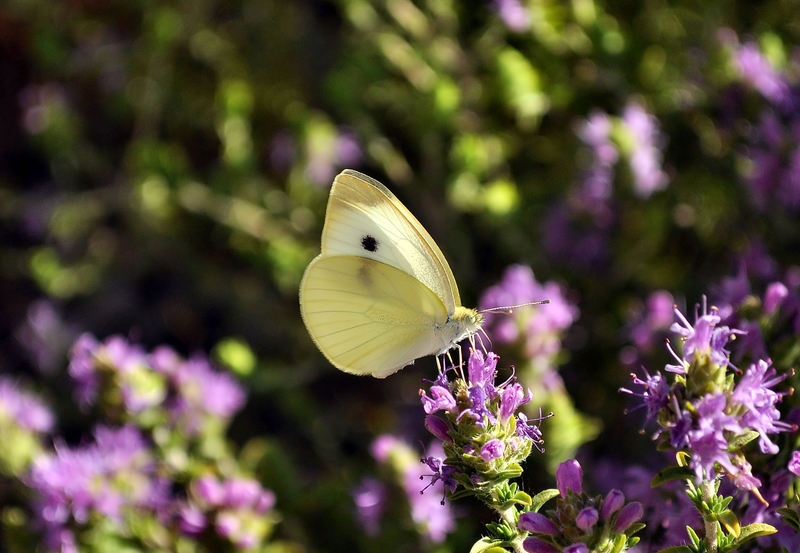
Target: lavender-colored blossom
[(645, 159), (755, 69), (115, 473), (203, 390), (511, 399), (82, 368), (535, 545), (654, 394), (191, 519), (794, 463), (569, 476), (657, 317), (707, 440), (587, 518), (513, 14), (704, 337), (482, 369), (537, 523), (441, 399), (629, 514), (774, 296), (23, 408), (754, 394), (370, 499), (429, 510), (492, 450)]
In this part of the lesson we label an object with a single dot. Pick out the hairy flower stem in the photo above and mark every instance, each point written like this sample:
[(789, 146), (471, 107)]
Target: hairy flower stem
[(708, 492), (508, 516)]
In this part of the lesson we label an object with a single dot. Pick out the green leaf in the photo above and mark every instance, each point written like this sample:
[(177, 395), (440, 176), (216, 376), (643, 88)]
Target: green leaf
[(742, 440), (677, 549), (752, 531), (488, 545), (670, 474), (693, 536), (730, 522), (790, 517), (542, 497)]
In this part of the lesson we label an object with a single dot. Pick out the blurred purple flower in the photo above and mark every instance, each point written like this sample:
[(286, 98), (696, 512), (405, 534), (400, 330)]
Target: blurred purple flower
[(656, 318), (23, 408), (756, 70), (540, 327), (794, 463), (370, 499), (45, 336), (513, 14), (645, 158)]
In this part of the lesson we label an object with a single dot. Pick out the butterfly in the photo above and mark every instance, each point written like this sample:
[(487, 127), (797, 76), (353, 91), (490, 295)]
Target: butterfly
[(380, 294)]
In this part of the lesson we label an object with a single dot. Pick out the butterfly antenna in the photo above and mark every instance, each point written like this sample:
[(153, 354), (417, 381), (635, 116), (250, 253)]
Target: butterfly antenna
[(510, 308)]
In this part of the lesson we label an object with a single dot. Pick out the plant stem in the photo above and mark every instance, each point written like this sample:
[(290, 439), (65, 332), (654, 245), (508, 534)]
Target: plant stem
[(708, 491), (508, 516)]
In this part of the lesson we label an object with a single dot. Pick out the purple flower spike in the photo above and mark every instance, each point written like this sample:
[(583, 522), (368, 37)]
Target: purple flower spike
[(569, 476), (587, 518), (28, 411), (613, 502), (535, 545), (537, 523), (794, 463), (482, 370), (629, 514), (493, 449)]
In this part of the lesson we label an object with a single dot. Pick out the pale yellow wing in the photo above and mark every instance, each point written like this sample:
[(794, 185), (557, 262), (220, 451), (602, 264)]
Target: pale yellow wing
[(365, 219), (368, 317)]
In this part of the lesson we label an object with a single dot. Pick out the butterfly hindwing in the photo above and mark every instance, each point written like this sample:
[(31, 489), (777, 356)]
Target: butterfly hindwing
[(369, 317), (365, 219)]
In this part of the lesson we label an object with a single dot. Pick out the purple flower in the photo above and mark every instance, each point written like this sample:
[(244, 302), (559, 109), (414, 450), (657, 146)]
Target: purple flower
[(511, 399), (537, 523), (202, 389), (629, 514), (707, 440), (703, 338), (655, 394), (429, 510), (755, 69), (754, 393), (191, 519), (513, 14), (794, 463), (241, 492), (587, 518), (535, 545), (645, 159), (441, 399), (209, 491), (440, 472), (437, 427), (569, 476), (493, 449), (774, 296), (25, 409), (612, 503), (370, 499), (482, 369)]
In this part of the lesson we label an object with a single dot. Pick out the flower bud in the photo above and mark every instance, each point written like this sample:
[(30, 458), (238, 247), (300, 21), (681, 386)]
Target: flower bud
[(535, 545), (569, 476), (538, 523), (437, 427), (209, 490), (613, 502), (629, 514), (774, 296), (492, 449), (587, 518)]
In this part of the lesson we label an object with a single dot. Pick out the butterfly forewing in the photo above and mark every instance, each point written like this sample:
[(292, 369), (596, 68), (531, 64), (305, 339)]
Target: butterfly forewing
[(369, 317), (365, 219)]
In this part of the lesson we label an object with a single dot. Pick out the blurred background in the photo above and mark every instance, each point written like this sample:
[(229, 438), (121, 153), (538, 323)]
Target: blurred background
[(164, 169)]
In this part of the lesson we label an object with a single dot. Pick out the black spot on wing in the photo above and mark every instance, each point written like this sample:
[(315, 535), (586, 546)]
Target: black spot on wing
[(369, 243)]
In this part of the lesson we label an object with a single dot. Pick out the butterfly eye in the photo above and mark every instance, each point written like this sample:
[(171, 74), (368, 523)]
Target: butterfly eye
[(369, 243)]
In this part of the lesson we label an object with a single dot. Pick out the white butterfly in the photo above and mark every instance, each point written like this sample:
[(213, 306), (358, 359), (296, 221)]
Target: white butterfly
[(381, 294)]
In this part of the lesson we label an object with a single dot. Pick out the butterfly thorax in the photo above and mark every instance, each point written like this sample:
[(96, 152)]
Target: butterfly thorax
[(462, 324)]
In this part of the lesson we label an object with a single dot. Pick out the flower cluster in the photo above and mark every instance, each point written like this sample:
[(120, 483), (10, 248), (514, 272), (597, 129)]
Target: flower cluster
[(237, 510), (483, 432), (539, 328), (110, 477), (705, 411), (430, 513), (23, 420), (579, 523), (127, 380)]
